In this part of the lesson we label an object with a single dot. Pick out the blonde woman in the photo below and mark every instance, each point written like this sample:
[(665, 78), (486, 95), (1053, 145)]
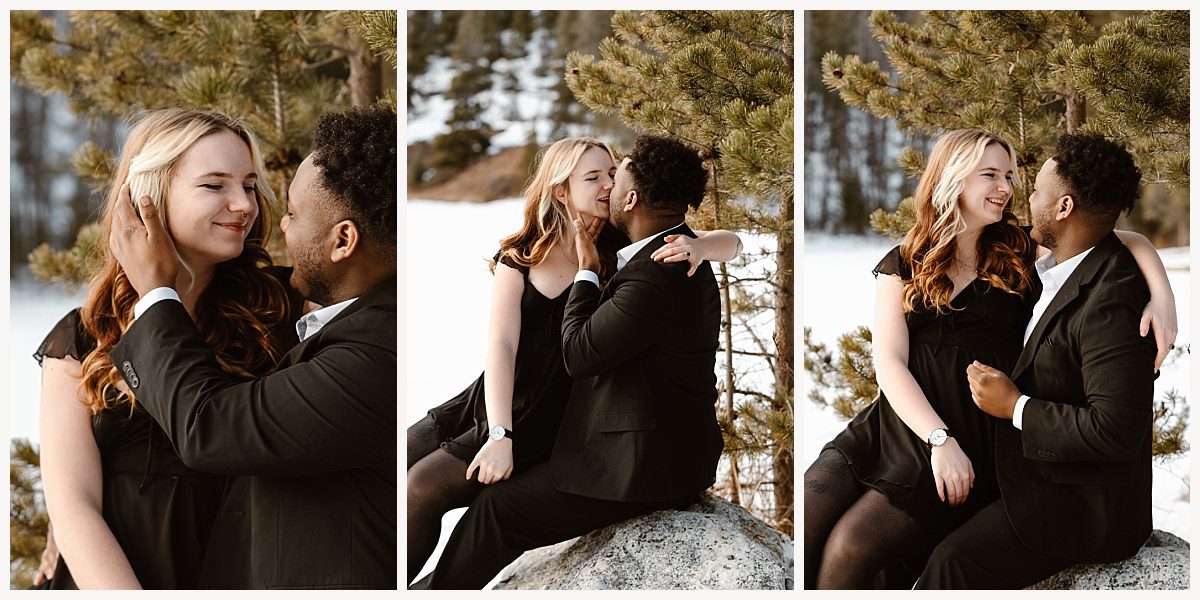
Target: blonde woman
[(128, 513), (919, 460), (507, 419)]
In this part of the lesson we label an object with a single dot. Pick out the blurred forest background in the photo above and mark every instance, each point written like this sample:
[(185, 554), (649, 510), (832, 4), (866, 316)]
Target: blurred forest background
[(859, 151), (79, 79), (487, 88)]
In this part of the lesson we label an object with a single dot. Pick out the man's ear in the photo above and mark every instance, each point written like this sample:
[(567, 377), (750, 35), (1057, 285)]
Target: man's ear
[(346, 240), (1064, 208), (633, 199)]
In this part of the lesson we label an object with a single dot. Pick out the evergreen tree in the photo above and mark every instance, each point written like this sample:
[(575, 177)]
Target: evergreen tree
[(722, 81), (1029, 76), (279, 70), (27, 518)]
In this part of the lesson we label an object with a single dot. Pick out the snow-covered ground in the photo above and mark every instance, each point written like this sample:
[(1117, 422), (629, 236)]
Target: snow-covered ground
[(838, 293), (34, 308)]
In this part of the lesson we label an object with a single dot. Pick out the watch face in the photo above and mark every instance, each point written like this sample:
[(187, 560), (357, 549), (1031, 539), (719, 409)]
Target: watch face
[(938, 437), (496, 433)]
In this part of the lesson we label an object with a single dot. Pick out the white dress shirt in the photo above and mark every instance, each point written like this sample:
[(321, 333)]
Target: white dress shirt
[(311, 323), (308, 325), (1053, 276), (155, 295), (624, 255)]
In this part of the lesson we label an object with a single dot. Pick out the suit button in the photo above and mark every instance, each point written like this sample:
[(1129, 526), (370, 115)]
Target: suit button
[(130, 374)]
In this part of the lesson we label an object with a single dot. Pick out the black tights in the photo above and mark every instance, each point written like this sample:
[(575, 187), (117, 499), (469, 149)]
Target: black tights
[(852, 534), (437, 484)]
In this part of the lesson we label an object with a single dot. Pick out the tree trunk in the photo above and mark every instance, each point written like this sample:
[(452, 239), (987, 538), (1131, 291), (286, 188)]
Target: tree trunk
[(366, 74), (735, 492), (1076, 112), (783, 461)]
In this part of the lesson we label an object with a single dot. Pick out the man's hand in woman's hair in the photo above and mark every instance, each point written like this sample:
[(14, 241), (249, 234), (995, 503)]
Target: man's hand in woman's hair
[(142, 246)]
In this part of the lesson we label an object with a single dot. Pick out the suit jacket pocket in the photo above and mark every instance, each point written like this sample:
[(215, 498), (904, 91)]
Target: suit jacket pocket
[(625, 420), (1049, 351)]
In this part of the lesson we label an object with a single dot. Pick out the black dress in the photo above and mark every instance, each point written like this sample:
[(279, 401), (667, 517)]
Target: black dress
[(160, 511), (985, 324), (540, 387)]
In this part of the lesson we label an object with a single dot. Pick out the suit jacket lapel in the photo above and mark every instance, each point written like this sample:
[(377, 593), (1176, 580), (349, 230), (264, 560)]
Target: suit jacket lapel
[(646, 251), (1067, 294), (382, 293)]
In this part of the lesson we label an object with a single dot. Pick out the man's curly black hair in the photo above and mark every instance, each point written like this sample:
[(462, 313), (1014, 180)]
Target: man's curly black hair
[(1100, 174), (667, 175), (356, 151)]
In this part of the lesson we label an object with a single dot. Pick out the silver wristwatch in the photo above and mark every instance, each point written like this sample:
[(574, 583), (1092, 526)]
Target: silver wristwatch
[(498, 432), (937, 437)]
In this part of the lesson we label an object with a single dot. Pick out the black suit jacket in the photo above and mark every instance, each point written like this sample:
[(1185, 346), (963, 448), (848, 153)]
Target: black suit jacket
[(640, 424), (314, 444), (1076, 478)]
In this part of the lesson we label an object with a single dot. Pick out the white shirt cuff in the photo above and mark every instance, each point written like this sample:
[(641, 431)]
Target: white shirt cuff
[(1017, 410), (586, 275), (156, 294)]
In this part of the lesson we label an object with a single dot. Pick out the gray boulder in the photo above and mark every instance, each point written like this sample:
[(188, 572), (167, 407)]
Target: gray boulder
[(713, 544), (1162, 564)]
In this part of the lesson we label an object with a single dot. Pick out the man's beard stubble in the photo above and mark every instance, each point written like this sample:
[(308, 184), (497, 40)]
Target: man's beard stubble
[(310, 279), (1042, 228)]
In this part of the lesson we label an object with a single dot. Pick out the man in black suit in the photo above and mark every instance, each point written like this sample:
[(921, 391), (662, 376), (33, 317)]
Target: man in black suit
[(312, 447), (640, 432), (1073, 440)]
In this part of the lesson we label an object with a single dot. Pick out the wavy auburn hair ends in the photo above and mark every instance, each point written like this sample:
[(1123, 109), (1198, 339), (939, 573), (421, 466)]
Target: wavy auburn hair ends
[(546, 221), (243, 301), (928, 248)]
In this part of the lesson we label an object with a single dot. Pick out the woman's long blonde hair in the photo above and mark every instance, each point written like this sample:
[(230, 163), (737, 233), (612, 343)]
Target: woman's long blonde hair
[(546, 220), (928, 248), (242, 302)]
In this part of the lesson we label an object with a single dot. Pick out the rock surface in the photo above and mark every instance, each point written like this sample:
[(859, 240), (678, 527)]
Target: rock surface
[(713, 544), (1162, 564)]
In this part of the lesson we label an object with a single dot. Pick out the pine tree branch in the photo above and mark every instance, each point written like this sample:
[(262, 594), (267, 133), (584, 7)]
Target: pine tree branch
[(739, 36), (754, 394)]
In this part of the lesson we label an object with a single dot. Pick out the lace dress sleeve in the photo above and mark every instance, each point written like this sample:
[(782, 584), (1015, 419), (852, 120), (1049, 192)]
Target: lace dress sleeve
[(67, 338), (503, 258), (893, 264)]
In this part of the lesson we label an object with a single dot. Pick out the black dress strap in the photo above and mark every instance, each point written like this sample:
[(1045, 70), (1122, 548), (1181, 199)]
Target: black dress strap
[(66, 338), (893, 264)]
